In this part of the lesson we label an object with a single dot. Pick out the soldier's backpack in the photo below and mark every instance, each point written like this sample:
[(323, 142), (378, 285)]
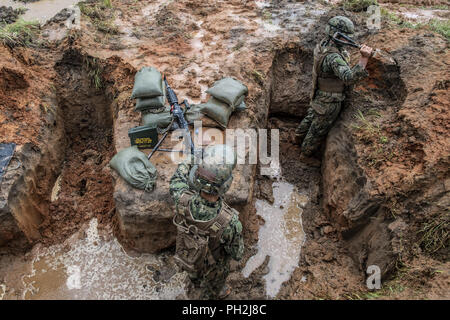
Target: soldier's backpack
[(198, 242)]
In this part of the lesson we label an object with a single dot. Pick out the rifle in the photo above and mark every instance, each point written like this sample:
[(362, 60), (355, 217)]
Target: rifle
[(178, 120), (350, 42)]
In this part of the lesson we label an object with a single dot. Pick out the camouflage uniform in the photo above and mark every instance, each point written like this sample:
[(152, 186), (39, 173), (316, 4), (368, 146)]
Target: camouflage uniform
[(326, 105), (212, 280)]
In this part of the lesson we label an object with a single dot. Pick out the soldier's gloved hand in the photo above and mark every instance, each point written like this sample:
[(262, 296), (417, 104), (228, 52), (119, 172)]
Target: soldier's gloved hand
[(366, 51)]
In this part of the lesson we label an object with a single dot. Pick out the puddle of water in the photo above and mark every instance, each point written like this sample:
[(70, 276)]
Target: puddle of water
[(291, 17), (281, 237), (196, 42), (42, 10), (423, 15), (93, 268), (261, 4)]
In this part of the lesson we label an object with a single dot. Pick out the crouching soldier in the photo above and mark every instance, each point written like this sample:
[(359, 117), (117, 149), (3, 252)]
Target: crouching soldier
[(331, 75), (209, 231)]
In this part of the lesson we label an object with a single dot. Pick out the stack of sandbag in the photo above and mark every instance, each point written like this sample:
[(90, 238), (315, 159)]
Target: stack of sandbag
[(227, 95), (149, 90), (162, 120)]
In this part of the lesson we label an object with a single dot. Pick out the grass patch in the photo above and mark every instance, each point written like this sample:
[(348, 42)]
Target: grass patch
[(101, 15), (436, 7), (106, 26), (369, 127), (94, 71), (258, 76), (440, 26), (358, 5), (267, 16), (390, 288), (107, 4), (435, 234), (369, 132), (19, 33), (393, 18)]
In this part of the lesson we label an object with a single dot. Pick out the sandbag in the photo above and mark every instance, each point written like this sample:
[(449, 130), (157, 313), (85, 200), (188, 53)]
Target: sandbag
[(228, 90), (143, 104), (134, 167), (241, 107), (239, 102), (148, 83), (146, 104), (160, 120), (194, 113), (217, 110)]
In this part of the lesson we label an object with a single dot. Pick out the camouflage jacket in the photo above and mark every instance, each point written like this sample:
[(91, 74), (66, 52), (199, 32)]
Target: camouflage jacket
[(339, 65), (204, 210)]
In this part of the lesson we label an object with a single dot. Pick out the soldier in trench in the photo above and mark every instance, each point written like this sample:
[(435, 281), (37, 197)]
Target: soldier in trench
[(209, 231), (331, 75)]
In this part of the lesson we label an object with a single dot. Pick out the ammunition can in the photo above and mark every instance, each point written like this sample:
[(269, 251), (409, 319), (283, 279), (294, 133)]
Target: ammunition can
[(144, 137)]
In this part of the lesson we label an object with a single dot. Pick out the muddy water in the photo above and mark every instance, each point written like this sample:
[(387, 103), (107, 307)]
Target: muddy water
[(42, 10), (281, 237), (284, 20), (88, 267)]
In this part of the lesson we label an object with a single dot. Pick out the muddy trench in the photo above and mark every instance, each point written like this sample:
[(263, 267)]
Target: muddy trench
[(331, 247), (82, 189)]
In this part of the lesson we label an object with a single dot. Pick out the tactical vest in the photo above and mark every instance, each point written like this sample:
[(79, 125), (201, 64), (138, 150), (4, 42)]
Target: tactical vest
[(198, 242), (325, 81)]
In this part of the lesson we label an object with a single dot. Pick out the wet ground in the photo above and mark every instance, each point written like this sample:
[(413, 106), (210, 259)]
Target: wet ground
[(91, 266), (280, 238), (42, 10)]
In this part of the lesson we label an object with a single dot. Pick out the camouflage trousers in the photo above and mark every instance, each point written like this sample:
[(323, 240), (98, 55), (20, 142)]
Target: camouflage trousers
[(314, 127), (212, 279)]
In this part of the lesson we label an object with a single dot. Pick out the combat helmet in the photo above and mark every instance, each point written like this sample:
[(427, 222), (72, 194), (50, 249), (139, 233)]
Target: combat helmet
[(214, 174), (341, 29)]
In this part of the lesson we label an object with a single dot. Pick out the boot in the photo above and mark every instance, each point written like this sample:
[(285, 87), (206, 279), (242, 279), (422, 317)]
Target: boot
[(309, 160), (225, 292)]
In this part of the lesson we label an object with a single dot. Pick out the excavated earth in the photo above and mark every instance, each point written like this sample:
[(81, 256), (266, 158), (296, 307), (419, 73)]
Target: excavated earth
[(378, 194)]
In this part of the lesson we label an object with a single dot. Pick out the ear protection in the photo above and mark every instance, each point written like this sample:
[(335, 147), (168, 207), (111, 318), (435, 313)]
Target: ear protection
[(200, 184)]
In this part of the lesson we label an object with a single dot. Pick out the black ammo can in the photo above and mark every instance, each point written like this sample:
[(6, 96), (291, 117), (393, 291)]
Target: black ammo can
[(144, 137)]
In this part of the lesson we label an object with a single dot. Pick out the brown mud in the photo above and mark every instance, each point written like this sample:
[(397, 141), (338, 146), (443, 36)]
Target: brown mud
[(379, 184), (84, 186)]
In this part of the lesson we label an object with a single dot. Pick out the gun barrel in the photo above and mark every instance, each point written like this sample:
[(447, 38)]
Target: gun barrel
[(178, 113), (171, 96)]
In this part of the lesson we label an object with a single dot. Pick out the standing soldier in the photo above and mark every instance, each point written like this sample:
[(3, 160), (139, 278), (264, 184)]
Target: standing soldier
[(209, 231), (331, 73)]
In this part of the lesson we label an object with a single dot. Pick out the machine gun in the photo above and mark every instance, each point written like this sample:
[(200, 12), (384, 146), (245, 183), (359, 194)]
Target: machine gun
[(178, 120)]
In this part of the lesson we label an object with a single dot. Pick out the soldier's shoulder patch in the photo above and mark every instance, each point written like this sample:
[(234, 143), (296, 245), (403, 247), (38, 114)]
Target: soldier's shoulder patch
[(337, 59)]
